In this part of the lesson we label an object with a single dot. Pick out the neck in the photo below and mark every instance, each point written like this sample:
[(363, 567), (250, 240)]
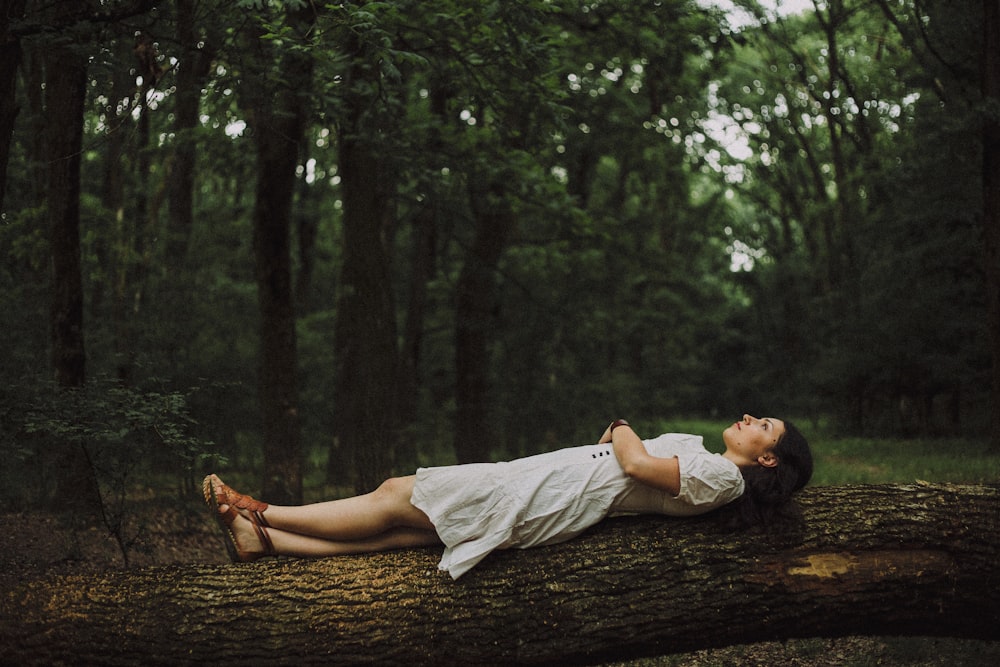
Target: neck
[(740, 461)]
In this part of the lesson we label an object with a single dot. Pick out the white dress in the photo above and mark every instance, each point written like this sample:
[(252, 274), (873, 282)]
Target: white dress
[(552, 497)]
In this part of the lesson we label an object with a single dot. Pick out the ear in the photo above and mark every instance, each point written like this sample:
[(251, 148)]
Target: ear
[(768, 460)]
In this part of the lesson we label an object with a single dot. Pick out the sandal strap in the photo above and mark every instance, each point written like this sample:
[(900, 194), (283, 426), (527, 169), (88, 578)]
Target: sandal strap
[(265, 539), (235, 552), (226, 523), (229, 496)]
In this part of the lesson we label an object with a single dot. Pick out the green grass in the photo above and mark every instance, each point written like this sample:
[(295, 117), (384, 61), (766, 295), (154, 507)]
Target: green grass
[(864, 461), (876, 460)]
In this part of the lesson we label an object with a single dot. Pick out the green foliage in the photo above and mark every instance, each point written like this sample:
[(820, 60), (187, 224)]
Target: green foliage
[(780, 216), (848, 216), (129, 437)]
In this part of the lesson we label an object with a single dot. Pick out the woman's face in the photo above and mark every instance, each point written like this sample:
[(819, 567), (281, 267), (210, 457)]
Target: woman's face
[(752, 440)]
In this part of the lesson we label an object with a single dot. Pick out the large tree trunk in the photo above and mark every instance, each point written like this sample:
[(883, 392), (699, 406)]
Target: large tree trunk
[(65, 92), (278, 350), (365, 338), (279, 120), (918, 560), (476, 317)]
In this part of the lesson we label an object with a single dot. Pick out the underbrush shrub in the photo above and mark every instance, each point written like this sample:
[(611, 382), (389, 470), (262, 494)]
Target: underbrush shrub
[(106, 442)]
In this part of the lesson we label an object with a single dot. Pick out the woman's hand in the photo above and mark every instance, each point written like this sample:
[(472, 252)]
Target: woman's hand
[(606, 438)]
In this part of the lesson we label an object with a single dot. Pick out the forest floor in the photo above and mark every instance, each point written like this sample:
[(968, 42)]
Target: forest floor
[(36, 545)]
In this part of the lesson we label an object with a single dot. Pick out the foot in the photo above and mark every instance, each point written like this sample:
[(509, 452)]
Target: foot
[(246, 539), (247, 506)]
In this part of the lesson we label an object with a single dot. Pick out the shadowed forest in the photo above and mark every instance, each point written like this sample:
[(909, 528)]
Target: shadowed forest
[(313, 244), (320, 243)]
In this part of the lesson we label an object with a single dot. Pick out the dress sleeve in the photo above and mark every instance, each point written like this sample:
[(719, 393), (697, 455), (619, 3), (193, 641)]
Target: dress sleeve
[(708, 480)]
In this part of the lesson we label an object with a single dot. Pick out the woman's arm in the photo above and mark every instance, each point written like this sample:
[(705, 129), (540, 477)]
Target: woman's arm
[(659, 473)]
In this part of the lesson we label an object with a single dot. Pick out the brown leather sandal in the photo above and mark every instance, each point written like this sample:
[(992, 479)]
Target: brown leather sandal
[(236, 554), (253, 509), (225, 521)]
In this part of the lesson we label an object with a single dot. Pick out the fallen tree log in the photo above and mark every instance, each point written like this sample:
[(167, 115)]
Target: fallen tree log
[(917, 560)]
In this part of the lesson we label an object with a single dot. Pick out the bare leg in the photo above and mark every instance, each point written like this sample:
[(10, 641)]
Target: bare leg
[(352, 519), (304, 546)]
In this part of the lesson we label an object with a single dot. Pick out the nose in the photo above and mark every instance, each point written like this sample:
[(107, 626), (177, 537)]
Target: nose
[(747, 419)]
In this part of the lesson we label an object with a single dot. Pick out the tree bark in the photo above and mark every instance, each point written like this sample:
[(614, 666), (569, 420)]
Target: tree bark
[(365, 339), (278, 350), (279, 117), (476, 305), (917, 560), (65, 91)]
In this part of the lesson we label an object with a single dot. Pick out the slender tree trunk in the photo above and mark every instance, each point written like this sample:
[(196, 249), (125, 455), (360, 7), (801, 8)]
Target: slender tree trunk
[(10, 60), (918, 560), (191, 73), (307, 231), (33, 76), (197, 43), (114, 251), (991, 198), (422, 263), (421, 270), (134, 227), (475, 320)]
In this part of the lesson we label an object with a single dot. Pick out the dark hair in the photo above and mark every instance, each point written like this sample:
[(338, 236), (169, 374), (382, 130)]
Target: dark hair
[(768, 493)]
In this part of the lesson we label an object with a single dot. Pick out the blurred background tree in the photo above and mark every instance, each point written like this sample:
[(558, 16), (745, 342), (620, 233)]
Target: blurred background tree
[(375, 235)]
